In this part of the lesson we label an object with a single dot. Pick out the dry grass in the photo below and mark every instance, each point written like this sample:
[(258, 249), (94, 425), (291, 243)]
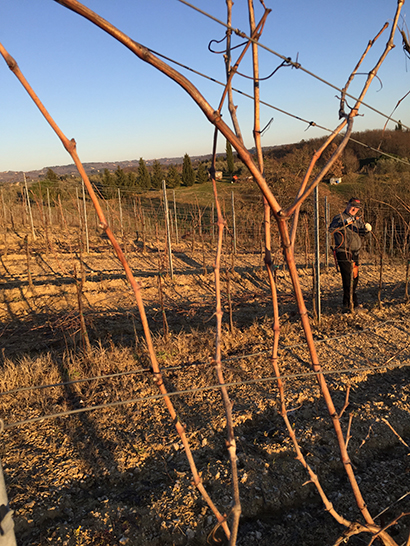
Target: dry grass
[(119, 475)]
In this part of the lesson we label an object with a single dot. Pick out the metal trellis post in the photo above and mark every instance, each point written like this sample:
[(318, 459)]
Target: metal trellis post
[(327, 232)]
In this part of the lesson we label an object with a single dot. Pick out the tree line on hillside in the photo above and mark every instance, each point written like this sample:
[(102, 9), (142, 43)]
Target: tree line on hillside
[(364, 168), (142, 178), (128, 179), (382, 183)]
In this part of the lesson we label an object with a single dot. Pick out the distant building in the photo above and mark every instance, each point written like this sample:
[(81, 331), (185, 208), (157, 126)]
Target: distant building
[(333, 181)]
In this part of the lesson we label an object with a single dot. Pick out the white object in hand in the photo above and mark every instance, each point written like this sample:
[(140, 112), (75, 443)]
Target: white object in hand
[(368, 227)]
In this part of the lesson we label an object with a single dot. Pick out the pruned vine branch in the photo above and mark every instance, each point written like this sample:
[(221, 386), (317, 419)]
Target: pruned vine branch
[(282, 217)]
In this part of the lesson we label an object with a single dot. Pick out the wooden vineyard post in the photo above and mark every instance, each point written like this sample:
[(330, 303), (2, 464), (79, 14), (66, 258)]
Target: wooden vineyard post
[(24, 212), (171, 267), (63, 222), (80, 220), (143, 232), (379, 291), (385, 238), (134, 208), (392, 236), (29, 209), (4, 209), (120, 211), (87, 241), (50, 221), (29, 277)]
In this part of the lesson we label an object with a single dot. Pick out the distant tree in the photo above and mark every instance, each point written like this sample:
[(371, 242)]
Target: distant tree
[(41, 188), (173, 178), (107, 178), (350, 161), (229, 158), (201, 174), (120, 178), (51, 187), (336, 170), (157, 175), (52, 176), (395, 142), (107, 185), (188, 173), (143, 176), (131, 179)]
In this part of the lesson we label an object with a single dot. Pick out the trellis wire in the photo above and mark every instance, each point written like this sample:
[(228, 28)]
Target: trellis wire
[(196, 390)]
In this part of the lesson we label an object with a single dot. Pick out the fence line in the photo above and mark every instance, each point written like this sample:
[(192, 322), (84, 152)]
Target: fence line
[(138, 218)]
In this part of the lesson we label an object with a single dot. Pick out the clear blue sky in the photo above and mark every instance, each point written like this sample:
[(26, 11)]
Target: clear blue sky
[(118, 108)]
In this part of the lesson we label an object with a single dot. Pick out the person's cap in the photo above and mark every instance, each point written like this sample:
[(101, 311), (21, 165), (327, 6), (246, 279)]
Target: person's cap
[(355, 202)]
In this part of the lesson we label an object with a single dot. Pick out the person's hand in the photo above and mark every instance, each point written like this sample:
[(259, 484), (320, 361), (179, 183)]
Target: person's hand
[(368, 227)]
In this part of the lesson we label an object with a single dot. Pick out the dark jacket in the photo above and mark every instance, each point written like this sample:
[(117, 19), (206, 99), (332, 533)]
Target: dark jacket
[(347, 232)]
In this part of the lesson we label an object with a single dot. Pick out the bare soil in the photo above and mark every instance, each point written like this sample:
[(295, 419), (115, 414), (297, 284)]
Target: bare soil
[(119, 475)]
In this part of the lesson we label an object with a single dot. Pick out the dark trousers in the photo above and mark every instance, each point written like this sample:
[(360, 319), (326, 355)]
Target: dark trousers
[(349, 269)]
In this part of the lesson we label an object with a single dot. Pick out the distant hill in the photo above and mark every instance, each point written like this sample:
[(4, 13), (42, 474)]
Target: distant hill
[(363, 145), (90, 168), (71, 170)]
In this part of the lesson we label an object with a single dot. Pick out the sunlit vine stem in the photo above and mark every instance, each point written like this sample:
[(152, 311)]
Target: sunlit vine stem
[(231, 106), (354, 110), (318, 153), (70, 146), (355, 70), (257, 139), (284, 413), (283, 228), (214, 116), (231, 71), (353, 528), (280, 215), (231, 442)]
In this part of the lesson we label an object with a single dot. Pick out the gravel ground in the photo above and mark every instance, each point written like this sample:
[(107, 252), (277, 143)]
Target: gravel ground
[(120, 476)]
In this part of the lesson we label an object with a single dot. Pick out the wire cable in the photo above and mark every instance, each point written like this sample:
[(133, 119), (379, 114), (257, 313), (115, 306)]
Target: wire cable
[(184, 392), (287, 59), (280, 110), (188, 365)]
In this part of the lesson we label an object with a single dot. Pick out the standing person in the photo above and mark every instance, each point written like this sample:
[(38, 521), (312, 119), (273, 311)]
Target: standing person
[(348, 229)]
